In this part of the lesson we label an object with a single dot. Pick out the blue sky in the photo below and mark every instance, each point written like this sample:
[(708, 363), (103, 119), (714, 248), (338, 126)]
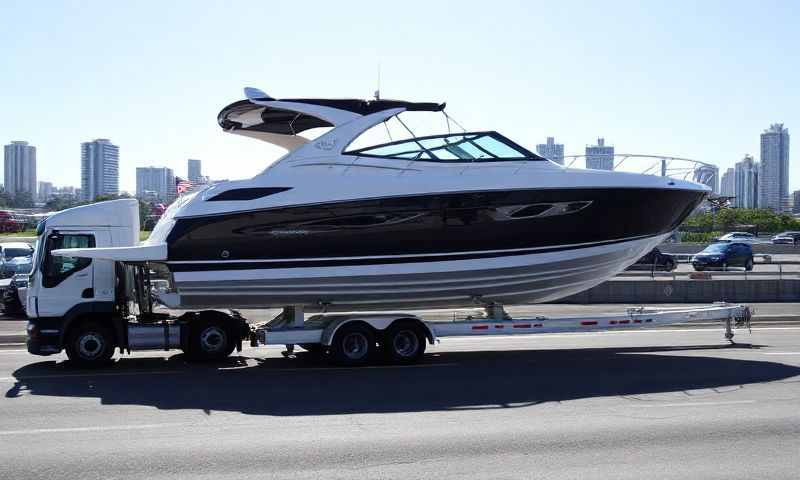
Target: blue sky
[(692, 79)]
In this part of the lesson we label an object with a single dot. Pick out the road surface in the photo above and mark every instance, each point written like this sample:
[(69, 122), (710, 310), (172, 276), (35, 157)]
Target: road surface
[(675, 403)]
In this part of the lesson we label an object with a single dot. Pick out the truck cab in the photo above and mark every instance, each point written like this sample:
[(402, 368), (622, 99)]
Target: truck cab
[(62, 290)]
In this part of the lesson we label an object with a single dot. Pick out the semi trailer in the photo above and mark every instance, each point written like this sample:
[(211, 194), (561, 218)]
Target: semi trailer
[(92, 307)]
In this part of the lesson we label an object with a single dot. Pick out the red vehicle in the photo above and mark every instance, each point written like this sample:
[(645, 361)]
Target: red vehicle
[(9, 223)]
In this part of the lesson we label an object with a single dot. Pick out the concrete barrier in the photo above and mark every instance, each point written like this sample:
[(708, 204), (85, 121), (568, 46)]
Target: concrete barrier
[(689, 291)]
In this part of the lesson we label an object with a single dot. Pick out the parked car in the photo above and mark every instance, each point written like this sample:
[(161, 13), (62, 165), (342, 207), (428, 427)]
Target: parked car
[(14, 295), (9, 223), (723, 255), (787, 238), (655, 260), (742, 237), (10, 251)]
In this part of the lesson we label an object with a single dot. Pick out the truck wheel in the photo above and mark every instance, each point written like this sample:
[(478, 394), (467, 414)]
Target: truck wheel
[(353, 345), (209, 340), (404, 343), (90, 345)]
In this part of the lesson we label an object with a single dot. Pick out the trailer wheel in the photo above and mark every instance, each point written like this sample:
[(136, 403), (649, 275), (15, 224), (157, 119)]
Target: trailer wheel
[(90, 345), (404, 343), (209, 340), (353, 344)]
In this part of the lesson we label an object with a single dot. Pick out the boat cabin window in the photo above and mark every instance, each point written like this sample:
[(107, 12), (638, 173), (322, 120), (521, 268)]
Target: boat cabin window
[(463, 147)]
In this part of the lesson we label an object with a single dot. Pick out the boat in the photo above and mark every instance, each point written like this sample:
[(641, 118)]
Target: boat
[(436, 221)]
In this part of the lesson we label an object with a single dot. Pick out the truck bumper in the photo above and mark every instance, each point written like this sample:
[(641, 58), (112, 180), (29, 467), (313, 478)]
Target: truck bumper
[(44, 336)]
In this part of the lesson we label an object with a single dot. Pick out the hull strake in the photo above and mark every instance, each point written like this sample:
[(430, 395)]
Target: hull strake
[(529, 278)]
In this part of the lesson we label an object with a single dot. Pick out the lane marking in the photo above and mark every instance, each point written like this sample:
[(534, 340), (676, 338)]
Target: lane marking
[(35, 431), (781, 353), (694, 404)]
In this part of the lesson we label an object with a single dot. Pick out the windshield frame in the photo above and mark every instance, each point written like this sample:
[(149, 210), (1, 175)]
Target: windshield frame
[(528, 155)]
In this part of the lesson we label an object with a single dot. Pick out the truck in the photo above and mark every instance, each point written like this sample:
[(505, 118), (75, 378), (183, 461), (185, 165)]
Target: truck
[(91, 308)]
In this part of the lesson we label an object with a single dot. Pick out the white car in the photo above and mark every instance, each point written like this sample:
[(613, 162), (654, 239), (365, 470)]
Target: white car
[(740, 237)]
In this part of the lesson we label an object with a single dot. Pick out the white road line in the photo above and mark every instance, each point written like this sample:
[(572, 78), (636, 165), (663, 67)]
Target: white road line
[(781, 353), (694, 404), (35, 431), (79, 375)]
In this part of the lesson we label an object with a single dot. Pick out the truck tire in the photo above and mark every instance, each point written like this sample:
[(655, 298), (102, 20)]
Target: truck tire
[(209, 340), (90, 345), (353, 345), (403, 343)]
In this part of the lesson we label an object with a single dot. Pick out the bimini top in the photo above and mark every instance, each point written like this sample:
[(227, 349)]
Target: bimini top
[(280, 121)]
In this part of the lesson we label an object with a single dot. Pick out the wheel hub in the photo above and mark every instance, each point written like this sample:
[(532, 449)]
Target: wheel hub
[(212, 339), (90, 345), (355, 346), (405, 343)]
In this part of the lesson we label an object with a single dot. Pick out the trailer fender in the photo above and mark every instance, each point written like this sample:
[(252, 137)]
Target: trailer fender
[(377, 322)]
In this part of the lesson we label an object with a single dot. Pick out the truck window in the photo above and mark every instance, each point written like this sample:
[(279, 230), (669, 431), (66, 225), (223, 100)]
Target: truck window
[(57, 269)]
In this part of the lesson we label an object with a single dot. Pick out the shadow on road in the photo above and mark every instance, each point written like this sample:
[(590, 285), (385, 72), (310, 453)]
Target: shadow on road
[(445, 381)]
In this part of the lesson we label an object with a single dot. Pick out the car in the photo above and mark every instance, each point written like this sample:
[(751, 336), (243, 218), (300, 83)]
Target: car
[(8, 252), (738, 237), (655, 260), (14, 296), (723, 255), (787, 238)]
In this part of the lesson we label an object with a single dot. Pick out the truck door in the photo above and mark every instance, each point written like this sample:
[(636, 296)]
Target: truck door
[(67, 281)]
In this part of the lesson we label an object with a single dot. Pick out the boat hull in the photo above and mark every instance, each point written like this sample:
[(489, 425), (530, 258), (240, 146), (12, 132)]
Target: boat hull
[(509, 277)]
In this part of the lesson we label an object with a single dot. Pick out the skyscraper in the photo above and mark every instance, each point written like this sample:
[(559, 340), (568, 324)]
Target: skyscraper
[(155, 183), (45, 191), (195, 173), (747, 183), (727, 187), (20, 169), (551, 150), (99, 169), (796, 197), (600, 156), (774, 175)]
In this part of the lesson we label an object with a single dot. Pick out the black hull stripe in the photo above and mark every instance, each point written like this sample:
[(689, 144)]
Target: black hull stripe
[(245, 265)]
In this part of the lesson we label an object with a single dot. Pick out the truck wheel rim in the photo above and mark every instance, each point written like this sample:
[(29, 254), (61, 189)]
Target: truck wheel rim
[(405, 343), (212, 339), (355, 346), (90, 345)]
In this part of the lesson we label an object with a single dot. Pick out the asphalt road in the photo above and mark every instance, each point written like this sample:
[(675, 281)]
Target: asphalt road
[(675, 403)]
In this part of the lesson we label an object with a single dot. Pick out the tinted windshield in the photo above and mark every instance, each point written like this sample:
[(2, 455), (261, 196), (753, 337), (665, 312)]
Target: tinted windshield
[(17, 252), (479, 146), (716, 248)]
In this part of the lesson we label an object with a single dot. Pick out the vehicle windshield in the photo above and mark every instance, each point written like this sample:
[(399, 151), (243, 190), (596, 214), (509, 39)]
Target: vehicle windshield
[(464, 147), (17, 252), (716, 248)]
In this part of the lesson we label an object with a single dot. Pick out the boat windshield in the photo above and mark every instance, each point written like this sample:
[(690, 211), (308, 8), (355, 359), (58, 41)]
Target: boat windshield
[(462, 147)]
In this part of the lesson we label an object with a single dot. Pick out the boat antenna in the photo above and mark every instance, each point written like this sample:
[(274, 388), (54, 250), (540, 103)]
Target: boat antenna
[(378, 90)]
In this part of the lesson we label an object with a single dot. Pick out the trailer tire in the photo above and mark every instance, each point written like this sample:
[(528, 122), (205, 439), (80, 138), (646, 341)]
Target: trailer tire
[(404, 343), (209, 340), (90, 345), (353, 345)]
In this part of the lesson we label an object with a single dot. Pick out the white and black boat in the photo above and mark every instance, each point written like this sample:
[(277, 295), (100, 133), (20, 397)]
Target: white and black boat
[(448, 220)]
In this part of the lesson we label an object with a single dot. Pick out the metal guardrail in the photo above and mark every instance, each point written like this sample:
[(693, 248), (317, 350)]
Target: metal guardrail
[(730, 272)]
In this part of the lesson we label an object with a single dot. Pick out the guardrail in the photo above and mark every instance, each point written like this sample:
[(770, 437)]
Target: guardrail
[(717, 272)]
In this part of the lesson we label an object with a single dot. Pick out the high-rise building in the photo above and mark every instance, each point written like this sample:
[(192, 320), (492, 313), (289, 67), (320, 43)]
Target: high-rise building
[(747, 183), (773, 178), (600, 156), (727, 186), (195, 173), (708, 175), (99, 169), (155, 183), (20, 169), (551, 150), (796, 198), (45, 191)]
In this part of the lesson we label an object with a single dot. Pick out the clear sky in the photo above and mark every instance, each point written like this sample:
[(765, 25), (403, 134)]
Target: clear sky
[(682, 78)]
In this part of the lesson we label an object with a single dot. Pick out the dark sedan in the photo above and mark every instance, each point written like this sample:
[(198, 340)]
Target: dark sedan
[(723, 255), (655, 260)]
